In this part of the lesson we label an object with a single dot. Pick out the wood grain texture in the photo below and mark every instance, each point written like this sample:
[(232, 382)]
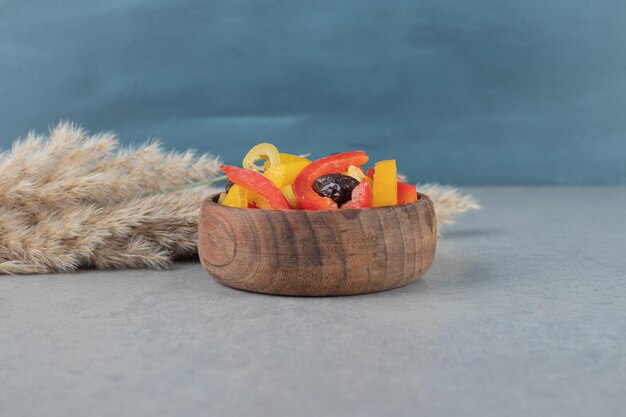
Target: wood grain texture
[(317, 252)]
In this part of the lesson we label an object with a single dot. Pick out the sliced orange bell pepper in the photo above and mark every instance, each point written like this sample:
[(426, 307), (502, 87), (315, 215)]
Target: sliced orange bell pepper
[(256, 182), (335, 163)]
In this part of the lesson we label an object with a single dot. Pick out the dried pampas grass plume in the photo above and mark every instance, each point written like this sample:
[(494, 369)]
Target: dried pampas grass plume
[(449, 201), (71, 200)]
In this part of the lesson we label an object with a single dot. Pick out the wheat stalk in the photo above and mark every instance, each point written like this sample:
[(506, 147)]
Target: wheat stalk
[(70, 200)]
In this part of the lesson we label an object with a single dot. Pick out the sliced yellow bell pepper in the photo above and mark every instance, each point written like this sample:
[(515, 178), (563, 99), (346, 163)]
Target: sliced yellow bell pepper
[(358, 174), (385, 190), (287, 191), (258, 200), (287, 158), (237, 197), (221, 198), (285, 173), (261, 151)]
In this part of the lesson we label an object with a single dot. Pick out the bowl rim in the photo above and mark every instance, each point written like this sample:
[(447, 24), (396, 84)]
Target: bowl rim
[(421, 199)]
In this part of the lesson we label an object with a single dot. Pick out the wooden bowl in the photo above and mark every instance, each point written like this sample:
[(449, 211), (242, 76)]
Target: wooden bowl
[(317, 252)]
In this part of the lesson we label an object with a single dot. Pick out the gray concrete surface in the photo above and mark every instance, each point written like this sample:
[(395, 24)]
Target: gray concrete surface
[(522, 314)]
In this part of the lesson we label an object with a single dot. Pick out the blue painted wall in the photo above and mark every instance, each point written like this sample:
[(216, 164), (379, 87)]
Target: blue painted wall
[(467, 92)]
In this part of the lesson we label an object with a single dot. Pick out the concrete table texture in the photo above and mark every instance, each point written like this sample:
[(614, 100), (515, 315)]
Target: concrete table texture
[(523, 313)]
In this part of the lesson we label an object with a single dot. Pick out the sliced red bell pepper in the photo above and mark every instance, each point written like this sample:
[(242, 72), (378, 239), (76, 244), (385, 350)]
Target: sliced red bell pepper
[(361, 196), (407, 193), (370, 172), (335, 163), (256, 182)]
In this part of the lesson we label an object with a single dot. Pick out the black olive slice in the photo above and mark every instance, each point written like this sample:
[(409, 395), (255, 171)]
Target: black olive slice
[(337, 187)]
